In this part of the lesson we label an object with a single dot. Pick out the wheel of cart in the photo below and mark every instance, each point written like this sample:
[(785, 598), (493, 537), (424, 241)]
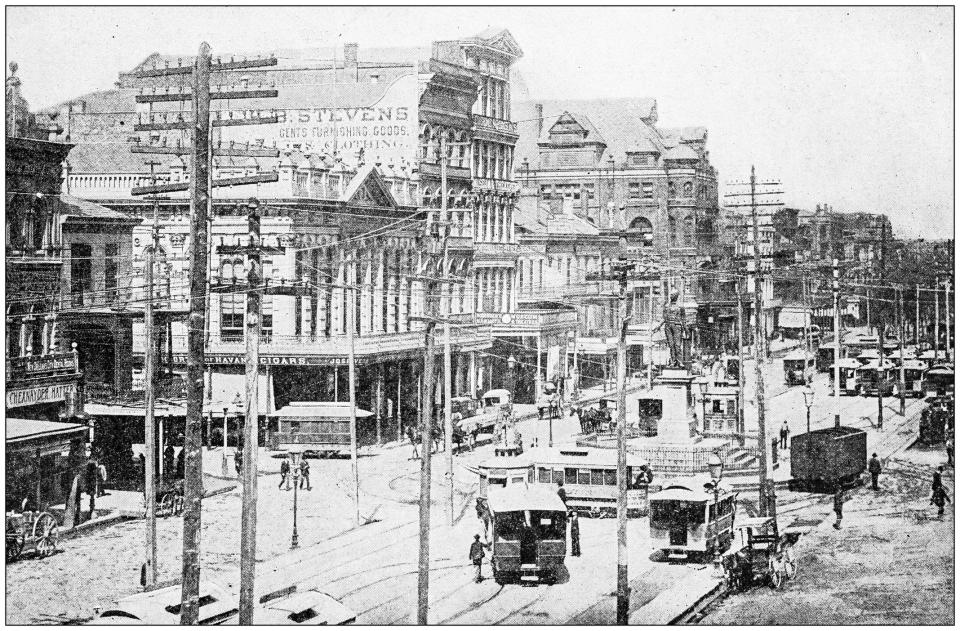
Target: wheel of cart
[(170, 499), (46, 534)]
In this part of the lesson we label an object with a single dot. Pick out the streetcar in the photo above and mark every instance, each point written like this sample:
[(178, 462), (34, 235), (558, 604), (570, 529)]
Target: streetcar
[(825, 357), (529, 527), (692, 518), (798, 367), (848, 375), (940, 379), (589, 476), (913, 371), (868, 355), (877, 376), (314, 427)]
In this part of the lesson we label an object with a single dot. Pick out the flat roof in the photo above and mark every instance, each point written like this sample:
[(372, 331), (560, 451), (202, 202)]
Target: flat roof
[(19, 429), (319, 409), (519, 497)]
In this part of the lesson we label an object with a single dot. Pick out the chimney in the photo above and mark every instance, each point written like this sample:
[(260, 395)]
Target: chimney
[(350, 56), (538, 108)]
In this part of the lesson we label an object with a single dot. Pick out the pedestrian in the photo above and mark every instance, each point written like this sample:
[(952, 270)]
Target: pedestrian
[(92, 476), (950, 451), (774, 443), (102, 473), (518, 441), (180, 457), (939, 498), (874, 468), (238, 462), (413, 442), (784, 433), (168, 455), (305, 474), (574, 534), (284, 473), (476, 555), (474, 435), (561, 492), (937, 479), (838, 506)]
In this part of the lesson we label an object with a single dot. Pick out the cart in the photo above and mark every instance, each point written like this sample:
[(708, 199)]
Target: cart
[(31, 532), (761, 555), (170, 499)]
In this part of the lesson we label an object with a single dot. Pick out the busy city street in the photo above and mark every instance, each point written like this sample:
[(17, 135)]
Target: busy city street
[(469, 315)]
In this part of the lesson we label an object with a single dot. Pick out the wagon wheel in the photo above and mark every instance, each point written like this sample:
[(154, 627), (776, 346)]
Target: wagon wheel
[(46, 534), (14, 547), (790, 562), (166, 505), (776, 577)]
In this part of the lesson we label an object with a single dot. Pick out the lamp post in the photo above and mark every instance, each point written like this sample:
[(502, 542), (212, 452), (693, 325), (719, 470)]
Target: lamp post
[(703, 385), (295, 469), (223, 458), (808, 393), (715, 467)]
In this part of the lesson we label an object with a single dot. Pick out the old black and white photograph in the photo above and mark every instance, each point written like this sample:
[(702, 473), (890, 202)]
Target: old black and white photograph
[(479, 315)]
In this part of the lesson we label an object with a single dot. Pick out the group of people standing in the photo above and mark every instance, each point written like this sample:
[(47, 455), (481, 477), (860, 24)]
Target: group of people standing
[(286, 473)]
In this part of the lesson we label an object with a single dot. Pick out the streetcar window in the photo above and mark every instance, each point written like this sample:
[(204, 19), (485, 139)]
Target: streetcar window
[(610, 477), (569, 476), (583, 476), (557, 475), (596, 476), (544, 475)]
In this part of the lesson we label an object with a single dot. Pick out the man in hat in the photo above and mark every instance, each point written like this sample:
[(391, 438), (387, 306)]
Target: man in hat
[(476, 556), (874, 468)]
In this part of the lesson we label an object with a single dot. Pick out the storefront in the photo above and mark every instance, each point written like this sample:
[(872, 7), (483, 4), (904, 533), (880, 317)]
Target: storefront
[(43, 458)]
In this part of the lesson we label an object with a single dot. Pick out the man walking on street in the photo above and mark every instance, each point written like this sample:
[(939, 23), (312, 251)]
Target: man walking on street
[(562, 492), (574, 534), (102, 470), (413, 442), (284, 473), (838, 506), (476, 555), (784, 432), (874, 468), (939, 498), (305, 474), (937, 479), (950, 450)]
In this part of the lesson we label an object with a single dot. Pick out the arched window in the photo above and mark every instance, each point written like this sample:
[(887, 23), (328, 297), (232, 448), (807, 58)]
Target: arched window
[(427, 197), (642, 227), (425, 134)]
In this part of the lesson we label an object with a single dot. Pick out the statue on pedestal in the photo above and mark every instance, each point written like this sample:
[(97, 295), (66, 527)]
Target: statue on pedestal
[(675, 327)]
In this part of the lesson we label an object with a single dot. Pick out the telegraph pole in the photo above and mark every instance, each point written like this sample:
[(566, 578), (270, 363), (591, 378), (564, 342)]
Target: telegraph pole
[(740, 365), (426, 439), (623, 583), (916, 328), (765, 504), (192, 462), (903, 332), (248, 515), (352, 379), (880, 331), (946, 319), (936, 318), (447, 359), (836, 342), (199, 187), (149, 422)]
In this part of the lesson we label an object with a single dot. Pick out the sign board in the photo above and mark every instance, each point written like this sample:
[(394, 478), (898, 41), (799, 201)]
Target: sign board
[(40, 394), (345, 118)]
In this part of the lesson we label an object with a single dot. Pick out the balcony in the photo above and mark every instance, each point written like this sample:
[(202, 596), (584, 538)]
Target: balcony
[(529, 322), (505, 253), (486, 126), (42, 366)]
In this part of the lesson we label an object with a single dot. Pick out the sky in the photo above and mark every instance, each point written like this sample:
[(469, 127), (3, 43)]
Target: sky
[(853, 107)]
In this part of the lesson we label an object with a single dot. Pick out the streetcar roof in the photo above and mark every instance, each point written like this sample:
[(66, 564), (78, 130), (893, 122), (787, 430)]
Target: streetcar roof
[(580, 456), (846, 362), (506, 462), (692, 490), (305, 409), (798, 355), (495, 394), (914, 364), (520, 498), (873, 365)]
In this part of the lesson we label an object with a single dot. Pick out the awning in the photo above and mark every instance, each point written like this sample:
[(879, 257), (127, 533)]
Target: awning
[(133, 410), (19, 429), (225, 387)]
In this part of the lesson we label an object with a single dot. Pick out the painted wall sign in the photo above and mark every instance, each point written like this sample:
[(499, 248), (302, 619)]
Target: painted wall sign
[(40, 394)]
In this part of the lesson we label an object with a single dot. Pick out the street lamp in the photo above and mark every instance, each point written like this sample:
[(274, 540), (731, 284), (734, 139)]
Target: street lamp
[(295, 469), (715, 467), (808, 401), (511, 378), (703, 385), (223, 459)]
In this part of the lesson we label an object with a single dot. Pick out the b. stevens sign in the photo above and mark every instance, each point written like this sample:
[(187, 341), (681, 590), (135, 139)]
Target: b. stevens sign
[(385, 126), (40, 394)]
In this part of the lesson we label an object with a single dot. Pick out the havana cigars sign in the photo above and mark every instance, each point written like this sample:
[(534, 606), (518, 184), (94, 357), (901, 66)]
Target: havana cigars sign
[(381, 119)]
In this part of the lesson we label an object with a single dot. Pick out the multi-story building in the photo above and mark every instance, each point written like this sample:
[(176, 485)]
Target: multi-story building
[(67, 261), (624, 176), (358, 165)]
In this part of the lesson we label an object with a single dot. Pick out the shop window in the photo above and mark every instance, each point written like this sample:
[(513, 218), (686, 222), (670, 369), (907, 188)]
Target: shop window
[(81, 270)]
